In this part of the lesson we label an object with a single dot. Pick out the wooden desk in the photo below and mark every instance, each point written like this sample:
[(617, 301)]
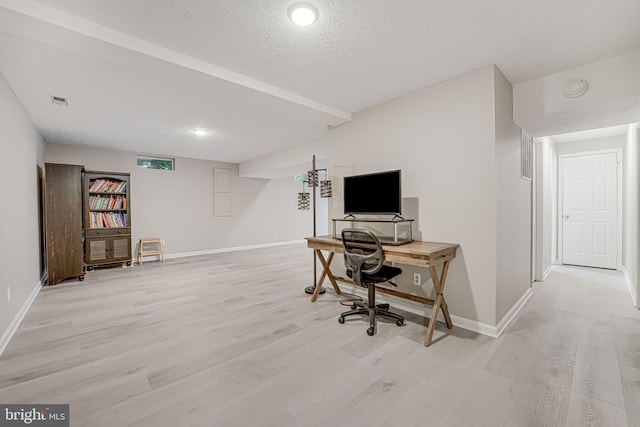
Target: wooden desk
[(422, 254)]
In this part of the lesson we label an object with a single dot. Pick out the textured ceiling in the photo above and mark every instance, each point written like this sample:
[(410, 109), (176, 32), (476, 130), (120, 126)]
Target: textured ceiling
[(250, 67), (114, 106)]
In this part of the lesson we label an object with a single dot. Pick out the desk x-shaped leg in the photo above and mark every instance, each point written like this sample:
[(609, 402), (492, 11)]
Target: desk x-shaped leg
[(439, 303), (326, 272)]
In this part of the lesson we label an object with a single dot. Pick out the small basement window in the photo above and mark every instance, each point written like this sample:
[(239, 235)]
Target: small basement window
[(161, 163)]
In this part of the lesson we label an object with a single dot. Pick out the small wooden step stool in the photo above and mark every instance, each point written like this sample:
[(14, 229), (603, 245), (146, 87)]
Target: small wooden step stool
[(150, 246)]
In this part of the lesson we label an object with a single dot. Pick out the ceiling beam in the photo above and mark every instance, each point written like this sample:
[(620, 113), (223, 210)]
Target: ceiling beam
[(35, 21)]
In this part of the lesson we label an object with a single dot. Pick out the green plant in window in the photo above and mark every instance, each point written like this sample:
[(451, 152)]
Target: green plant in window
[(155, 163)]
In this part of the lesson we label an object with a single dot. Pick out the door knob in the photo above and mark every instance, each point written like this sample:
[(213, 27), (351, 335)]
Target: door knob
[(566, 216)]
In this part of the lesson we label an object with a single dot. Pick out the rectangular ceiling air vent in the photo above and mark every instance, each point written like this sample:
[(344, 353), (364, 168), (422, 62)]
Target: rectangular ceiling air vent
[(58, 100)]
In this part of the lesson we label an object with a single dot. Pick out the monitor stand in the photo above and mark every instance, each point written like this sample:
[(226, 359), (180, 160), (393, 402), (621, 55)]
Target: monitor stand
[(394, 240)]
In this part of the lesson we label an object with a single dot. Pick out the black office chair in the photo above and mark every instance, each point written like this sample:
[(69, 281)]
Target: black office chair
[(364, 259)]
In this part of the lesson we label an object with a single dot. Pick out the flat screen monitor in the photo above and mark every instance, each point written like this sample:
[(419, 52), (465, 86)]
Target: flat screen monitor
[(375, 193)]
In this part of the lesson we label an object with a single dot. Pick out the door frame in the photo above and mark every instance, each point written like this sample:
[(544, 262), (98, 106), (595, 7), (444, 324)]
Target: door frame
[(561, 159), (535, 227)]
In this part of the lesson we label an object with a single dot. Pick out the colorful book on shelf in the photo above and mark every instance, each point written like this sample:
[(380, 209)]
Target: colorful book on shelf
[(93, 185), (107, 186)]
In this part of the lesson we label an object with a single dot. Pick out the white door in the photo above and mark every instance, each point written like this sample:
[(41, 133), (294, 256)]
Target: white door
[(589, 210)]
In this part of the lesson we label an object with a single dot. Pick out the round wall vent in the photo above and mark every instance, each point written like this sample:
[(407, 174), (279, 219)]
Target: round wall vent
[(575, 88)]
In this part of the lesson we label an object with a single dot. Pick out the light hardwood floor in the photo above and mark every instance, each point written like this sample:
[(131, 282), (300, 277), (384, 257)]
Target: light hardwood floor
[(232, 340)]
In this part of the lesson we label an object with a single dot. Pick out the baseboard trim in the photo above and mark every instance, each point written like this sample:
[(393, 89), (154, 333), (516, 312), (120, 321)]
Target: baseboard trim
[(513, 312), (420, 310), (19, 317), (629, 283), (546, 273), (223, 250)]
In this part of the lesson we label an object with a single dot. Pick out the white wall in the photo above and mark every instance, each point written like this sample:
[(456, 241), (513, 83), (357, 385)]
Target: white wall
[(513, 205), (443, 139), (613, 98), (22, 151), (630, 212), (286, 163), (178, 205), (604, 143)]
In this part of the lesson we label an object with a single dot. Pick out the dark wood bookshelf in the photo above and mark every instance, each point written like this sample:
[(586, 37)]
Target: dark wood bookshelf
[(63, 222), (107, 231)]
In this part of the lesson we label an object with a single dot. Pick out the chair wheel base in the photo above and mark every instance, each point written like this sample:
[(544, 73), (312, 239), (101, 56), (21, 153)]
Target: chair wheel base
[(399, 322), (341, 320), (370, 332)]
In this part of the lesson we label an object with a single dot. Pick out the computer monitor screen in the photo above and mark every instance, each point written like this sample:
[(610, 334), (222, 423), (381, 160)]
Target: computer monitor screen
[(375, 193)]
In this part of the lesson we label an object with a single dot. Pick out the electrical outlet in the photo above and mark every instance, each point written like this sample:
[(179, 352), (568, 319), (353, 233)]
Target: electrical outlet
[(417, 279), (9, 294)]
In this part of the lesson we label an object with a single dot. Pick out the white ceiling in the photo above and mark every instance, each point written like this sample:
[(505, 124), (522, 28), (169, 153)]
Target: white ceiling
[(139, 75)]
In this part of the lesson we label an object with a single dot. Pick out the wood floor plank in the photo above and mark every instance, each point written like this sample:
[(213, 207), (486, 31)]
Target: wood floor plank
[(631, 388), (361, 374), (597, 372), (627, 338), (561, 337), (429, 400), (544, 398), (588, 411), (487, 391), (514, 354), (207, 341)]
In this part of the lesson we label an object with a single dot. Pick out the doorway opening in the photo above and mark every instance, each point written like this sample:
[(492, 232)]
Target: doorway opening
[(579, 198)]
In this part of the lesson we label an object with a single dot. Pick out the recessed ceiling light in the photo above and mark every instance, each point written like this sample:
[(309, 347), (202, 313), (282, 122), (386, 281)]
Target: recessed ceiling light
[(303, 14), (200, 132)]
